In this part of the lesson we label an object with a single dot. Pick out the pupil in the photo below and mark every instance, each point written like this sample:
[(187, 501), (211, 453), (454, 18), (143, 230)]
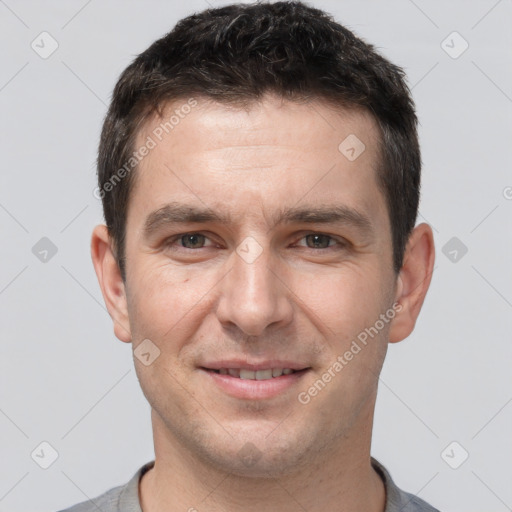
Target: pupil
[(193, 240), (317, 240)]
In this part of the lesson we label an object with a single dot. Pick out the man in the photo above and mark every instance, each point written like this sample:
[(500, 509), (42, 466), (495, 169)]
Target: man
[(259, 170)]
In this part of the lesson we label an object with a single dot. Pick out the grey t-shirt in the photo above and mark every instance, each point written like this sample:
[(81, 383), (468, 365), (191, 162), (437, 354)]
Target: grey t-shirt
[(125, 498)]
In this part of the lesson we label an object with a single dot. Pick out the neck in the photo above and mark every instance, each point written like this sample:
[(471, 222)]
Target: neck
[(341, 478)]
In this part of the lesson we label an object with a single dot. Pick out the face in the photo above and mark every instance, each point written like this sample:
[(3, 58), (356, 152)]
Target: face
[(256, 243)]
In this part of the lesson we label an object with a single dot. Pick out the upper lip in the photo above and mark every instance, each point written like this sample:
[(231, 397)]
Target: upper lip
[(243, 364)]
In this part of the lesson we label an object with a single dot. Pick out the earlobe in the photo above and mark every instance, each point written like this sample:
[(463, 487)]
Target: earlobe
[(110, 281), (413, 281)]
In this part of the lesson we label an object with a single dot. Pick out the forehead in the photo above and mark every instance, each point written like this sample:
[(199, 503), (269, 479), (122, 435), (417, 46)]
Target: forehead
[(314, 124), (274, 149)]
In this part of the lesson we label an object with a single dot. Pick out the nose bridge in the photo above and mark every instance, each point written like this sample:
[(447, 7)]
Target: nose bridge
[(252, 297)]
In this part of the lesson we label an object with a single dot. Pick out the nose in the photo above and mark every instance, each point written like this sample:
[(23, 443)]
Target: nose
[(254, 296)]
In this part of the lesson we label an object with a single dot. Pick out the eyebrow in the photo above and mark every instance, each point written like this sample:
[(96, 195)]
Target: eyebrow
[(178, 213)]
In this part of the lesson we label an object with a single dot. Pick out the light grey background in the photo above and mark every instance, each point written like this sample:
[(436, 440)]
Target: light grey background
[(64, 377)]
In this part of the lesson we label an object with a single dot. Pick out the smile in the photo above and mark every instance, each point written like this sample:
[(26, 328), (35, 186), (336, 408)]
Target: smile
[(265, 374), (260, 384)]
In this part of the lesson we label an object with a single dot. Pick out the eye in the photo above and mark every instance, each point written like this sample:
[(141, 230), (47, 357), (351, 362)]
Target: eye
[(189, 240), (196, 241), (318, 241)]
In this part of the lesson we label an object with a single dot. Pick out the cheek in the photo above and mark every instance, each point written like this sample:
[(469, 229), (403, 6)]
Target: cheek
[(342, 301), (167, 301)]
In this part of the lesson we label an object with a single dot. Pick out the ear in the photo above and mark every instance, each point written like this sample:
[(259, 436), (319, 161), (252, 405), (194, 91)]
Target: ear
[(111, 283), (413, 281)]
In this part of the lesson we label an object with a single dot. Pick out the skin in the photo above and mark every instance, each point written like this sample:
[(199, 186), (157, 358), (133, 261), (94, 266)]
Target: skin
[(297, 301)]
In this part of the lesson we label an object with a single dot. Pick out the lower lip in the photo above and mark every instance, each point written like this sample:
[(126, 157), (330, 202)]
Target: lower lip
[(255, 389)]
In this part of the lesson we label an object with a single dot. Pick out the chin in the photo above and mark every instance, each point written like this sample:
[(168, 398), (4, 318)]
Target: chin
[(260, 454), (250, 462)]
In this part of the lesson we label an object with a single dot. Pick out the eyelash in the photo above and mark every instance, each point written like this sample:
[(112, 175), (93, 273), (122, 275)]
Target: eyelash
[(341, 243)]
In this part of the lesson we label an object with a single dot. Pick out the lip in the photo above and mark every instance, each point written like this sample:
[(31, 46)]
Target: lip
[(247, 389), (246, 365)]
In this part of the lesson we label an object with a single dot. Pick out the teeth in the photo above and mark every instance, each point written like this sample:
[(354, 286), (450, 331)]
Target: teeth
[(263, 374), (269, 373), (247, 374)]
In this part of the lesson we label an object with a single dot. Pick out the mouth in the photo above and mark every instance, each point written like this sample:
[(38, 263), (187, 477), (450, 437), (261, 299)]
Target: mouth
[(255, 383), (265, 374)]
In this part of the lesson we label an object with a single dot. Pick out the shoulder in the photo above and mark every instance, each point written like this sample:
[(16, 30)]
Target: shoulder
[(398, 500), (123, 498), (411, 503), (107, 502)]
